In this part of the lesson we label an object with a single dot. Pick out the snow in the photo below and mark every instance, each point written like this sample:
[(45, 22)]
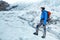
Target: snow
[(14, 28), (24, 1), (18, 24)]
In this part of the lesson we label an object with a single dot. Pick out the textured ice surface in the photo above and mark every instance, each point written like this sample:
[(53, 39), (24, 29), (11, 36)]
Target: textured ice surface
[(19, 24)]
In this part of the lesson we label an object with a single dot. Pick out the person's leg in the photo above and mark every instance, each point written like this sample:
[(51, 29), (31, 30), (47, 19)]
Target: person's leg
[(44, 33), (37, 27)]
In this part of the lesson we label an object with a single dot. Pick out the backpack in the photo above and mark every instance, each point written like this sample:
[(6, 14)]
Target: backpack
[(49, 14)]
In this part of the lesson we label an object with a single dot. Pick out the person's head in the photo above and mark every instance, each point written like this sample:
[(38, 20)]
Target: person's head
[(42, 8)]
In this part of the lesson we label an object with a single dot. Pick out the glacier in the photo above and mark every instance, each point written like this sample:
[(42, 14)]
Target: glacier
[(19, 23)]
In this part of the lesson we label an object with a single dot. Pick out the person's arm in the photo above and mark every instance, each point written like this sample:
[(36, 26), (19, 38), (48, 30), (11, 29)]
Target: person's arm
[(41, 16), (45, 19)]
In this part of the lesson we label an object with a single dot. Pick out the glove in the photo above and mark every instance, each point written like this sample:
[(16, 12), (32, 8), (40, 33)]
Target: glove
[(44, 25)]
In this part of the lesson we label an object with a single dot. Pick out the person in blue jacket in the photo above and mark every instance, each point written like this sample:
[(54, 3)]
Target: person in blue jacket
[(44, 18)]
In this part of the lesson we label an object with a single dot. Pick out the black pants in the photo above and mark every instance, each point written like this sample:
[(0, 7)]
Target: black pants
[(44, 27)]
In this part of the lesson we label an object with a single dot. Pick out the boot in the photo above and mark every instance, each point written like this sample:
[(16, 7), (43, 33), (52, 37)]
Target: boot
[(35, 33), (43, 36)]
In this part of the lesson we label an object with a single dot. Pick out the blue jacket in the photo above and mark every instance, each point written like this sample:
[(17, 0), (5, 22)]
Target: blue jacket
[(44, 16)]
